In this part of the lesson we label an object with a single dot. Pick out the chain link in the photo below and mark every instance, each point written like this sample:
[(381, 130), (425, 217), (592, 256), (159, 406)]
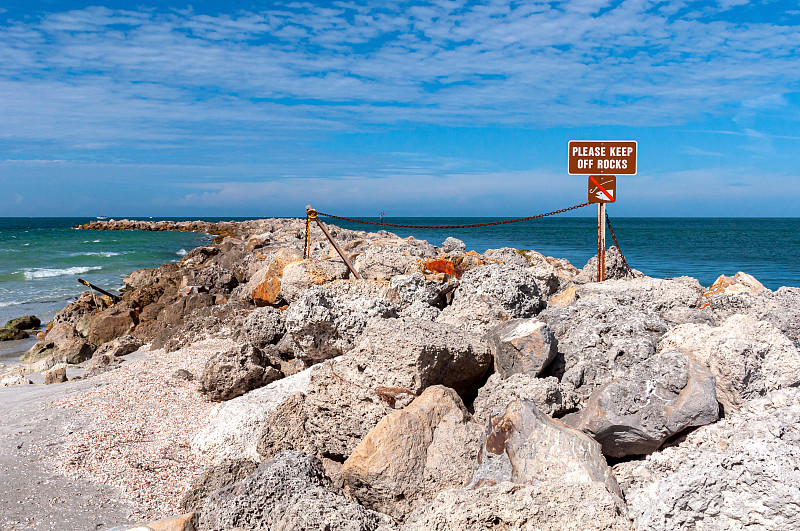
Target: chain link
[(560, 211), (614, 236)]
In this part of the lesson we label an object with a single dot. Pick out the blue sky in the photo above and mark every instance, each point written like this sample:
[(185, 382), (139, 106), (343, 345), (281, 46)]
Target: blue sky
[(438, 108)]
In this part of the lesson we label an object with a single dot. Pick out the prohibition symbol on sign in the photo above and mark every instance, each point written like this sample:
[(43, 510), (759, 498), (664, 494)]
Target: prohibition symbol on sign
[(602, 188)]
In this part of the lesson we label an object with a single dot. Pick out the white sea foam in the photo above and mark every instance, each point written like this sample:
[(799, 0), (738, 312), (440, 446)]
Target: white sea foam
[(4, 304), (42, 272), (107, 254), (182, 252)]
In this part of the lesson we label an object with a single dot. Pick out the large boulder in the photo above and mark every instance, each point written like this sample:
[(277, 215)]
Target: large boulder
[(119, 320), (12, 334), (26, 322), (79, 313), (61, 344), (300, 275), (615, 268), (393, 362), (264, 284), (434, 290), (290, 491), (217, 477), (532, 473), (656, 399), (522, 346), (739, 473), (551, 396), (647, 293), (523, 445), (490, 294), (748, 358), (323, 323), (599, 340), (388, 257), (236, 371), (236, 426), (511, 507), (413, 453), (261, 327)]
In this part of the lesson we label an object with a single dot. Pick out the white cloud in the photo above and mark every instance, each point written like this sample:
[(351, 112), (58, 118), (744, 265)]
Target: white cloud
[(444, 63)]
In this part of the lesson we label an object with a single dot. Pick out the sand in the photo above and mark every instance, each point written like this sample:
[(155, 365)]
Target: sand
[(109, 450)]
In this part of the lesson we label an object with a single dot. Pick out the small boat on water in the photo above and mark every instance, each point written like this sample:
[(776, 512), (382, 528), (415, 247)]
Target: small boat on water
[(102, 217)]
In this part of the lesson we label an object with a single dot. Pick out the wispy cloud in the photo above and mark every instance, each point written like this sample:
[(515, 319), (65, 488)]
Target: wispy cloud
[(123, 75)]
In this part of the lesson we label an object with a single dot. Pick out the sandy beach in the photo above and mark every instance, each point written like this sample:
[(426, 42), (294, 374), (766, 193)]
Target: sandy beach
[(102, 452)]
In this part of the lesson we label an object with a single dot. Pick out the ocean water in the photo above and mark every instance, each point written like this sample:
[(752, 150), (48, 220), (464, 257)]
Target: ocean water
[(42, 258)]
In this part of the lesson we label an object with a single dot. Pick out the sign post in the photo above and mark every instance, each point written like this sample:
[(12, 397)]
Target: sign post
[(602, 160)]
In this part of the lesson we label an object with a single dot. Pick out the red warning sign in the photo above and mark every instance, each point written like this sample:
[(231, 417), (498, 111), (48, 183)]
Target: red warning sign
[(602, 188)]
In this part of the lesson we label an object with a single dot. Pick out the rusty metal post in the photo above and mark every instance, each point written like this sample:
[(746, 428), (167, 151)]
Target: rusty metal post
[(312, 214), (601, 242)]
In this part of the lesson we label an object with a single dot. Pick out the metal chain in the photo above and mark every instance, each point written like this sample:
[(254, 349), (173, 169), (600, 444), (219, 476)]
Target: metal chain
[(560, 211), (305, 247), (616, 243)]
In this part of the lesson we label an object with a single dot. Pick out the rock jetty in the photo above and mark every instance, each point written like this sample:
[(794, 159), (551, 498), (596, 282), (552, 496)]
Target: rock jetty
[(451, 390)]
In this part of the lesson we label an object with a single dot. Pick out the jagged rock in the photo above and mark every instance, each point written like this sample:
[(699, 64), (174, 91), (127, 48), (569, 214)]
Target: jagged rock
[(394, 361), (26, 322), (172, 314), (234, 372), (100, 364), (420, 310), (79, 313), (490, 294), (551, 397), (615, 268), (747, 357), (508, 256), (323, 324), (521, 346), (140, 278), (262, 327), (656, 399), (56, 376), (303, 274), (121, 346), (405, 290), (453, 245), (647, 293), (599, 340), (741, 282), (548, 276), (511, 507), (119, 320), (413, 453), (12, 334), (236, 428), (63, 344), (264, 285), (523, 445), (212, 278), (219, 476), (781, 308), (13, 379), (739, 473), (183, 522), (389, 257), (290, 491)]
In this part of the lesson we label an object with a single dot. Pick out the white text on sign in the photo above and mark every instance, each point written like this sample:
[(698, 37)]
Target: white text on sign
[(602, 156)]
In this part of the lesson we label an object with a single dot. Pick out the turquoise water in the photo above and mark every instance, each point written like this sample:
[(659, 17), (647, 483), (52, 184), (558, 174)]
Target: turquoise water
[(42, 258)]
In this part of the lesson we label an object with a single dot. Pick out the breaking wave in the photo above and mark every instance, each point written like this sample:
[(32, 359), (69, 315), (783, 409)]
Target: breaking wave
[(31, 274)]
